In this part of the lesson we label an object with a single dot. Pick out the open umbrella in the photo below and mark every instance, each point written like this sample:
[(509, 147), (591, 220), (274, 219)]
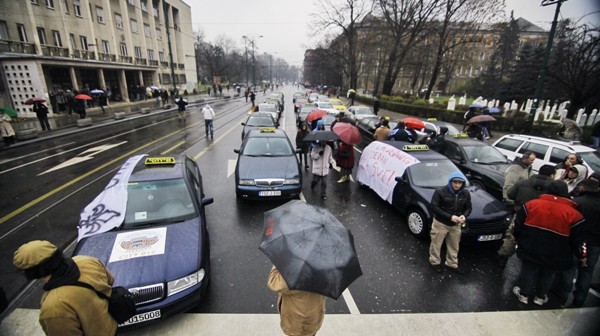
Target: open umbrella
[(481, 118), (312, 250), (315, 115), (96, 91), (83, 97), (31, 101), (348, 133), (475, 105), (413, 123), (321, 136), (11, 112), (494, 110)]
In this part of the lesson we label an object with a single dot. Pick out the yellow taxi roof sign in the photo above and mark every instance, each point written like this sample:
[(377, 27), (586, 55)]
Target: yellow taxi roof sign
[(414, 148), (267, 130), (166, 160), (461, 135), (431, 119)]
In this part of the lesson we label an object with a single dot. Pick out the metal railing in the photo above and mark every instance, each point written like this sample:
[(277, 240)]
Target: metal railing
[(17, 47)]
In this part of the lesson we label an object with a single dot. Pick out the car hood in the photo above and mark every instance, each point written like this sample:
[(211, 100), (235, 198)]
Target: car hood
[(497, 171), (147, 255), (253, 167)]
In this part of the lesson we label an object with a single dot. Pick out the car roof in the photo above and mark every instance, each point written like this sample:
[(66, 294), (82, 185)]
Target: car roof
[(466, 141), (575, 146), (260, 114), (272, 133), (428, 154), (149, 168)]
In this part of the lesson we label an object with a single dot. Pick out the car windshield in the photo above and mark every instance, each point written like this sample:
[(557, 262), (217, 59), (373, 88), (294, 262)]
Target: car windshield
[(431, 173), (267, 146), (592, 159), (484, 154), (267, 108), (363, 110), (158, 202), (325, 105), (307, 109), (260, 121), (328, 120)]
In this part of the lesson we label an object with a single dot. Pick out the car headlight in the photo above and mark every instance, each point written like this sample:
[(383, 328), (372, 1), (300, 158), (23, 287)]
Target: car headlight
[(291, 181), (178, 285), (247, 182)]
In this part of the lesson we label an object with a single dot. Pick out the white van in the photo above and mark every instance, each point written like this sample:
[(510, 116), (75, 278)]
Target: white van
[(547, 151)]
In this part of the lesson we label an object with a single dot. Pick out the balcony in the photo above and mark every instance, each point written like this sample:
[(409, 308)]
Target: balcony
[(84, 54), (17, 47), (107, 57), (181, 66), (55, 51), (141, 61), (153, 63), (164, 64), (125, 59)]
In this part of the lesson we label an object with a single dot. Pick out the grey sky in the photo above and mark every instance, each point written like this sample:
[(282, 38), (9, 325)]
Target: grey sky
[(285, 24)]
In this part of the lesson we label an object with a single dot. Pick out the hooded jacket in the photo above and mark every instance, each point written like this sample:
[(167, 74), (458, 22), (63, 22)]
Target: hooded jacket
[(447, 203), (562, 174), (208, 112), (526, 190), (71, 310), (516, 172)]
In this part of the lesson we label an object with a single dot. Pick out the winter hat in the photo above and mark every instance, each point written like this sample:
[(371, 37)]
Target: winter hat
[(558, 188), (37, 258)]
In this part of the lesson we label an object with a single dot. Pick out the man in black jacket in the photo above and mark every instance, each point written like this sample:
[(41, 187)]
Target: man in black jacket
[(451, 206)]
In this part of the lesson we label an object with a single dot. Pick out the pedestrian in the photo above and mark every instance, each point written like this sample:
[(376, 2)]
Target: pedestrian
[(571, 160), (549, 230), (344, 158), (41, 112), (519, 170), (467, 116), (220, 90), (164, 95), (6, 129), (321, 155), (215, 88), (246, 93), (376, 104), (437, 141), (451, 205), (351, 96), (102, 101), (181, 104), (68, 310), (300, 312), (303, 131), (572, 176), (208, 90), (382, 131), (209, 116), (252, 97)]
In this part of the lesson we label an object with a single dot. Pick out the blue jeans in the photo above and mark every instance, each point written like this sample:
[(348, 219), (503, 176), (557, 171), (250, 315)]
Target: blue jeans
[(208, 126), (532, 273)]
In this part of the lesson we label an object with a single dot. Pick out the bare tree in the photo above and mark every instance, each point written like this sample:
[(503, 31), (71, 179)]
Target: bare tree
[(227, 46)]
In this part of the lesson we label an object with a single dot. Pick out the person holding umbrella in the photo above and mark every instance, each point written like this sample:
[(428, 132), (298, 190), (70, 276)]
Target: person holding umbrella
[(345, 160), (41, 111), (321, 155), (303, 145)]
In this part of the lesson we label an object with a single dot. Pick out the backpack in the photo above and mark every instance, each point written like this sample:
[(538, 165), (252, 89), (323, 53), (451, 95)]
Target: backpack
[(121, 304)]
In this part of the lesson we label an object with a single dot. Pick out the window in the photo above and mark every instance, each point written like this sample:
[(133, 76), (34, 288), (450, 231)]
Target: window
[(143, 6), (161, 56), (509, 144), (84, 44), (77, 8), (134, 27), (100, 14), (482, 56), (34, 2), (22, 32), (123, 49), (147, 31), (50, 4), (72, 40), (118, 21), (3, 31), (158, 34), (105, 47), (558, 155), (155, 11), (539, 149), (131, 2), (477, 71), (56, 38), (470, 71), (65, 6), (138, 52), (150, 54)]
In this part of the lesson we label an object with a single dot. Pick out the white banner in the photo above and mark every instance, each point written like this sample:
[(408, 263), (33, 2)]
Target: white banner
[(107, 210), (379, 165)]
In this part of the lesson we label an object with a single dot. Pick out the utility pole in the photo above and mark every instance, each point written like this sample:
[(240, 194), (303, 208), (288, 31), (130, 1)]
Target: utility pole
[(246, 56), (252, 41), (540, 80)]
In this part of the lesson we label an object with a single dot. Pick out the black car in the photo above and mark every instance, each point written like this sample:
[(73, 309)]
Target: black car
[(406, 176), (258, 120), (366, 126), (267, 166), (483, 164)]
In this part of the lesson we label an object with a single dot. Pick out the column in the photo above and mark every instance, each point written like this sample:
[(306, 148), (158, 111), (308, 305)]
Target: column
[(123, 86)]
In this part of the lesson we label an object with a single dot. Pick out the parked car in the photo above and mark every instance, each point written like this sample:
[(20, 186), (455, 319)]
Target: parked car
[(160, 252), (406, 176), (547, 151), (338, 104), (270, 108), (258, 120), (304, 111), (359, 112)]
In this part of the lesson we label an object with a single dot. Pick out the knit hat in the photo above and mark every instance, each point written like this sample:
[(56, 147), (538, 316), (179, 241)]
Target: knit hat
[(33, 254), (558, 188)]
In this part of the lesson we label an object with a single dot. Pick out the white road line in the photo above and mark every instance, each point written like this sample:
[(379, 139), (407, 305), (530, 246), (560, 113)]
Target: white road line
[(34, 153), (350, 302)]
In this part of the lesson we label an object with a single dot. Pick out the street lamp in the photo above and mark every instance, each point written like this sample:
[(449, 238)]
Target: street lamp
[(252, 41)]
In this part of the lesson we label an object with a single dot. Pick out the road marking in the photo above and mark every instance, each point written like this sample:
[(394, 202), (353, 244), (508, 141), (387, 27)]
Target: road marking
[(173, 148), (197, 156), (34, 153), (86, 155), (350, 302)]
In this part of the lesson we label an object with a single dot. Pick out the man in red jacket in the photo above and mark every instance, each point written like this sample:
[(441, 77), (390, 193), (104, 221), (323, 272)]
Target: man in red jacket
[(548, 231)]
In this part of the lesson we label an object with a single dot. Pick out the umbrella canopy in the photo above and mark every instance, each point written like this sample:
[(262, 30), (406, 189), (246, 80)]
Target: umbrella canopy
[(413, 123), (315, 115), (352, 90), (348, 133), (494, 110), (312, 250), (481, 118), (31, 101), (475, 105), (153, 87), (95, 91), (11, 112), (321, 136), (83, 96)]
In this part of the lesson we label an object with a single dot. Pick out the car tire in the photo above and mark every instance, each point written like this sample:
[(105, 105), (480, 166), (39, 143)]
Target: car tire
[(417, 224)]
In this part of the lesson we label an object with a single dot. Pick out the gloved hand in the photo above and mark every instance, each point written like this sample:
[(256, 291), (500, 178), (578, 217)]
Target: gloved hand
[(321, 152)]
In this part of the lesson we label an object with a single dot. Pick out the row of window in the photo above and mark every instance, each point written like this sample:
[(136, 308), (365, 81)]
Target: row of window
[(99, 11)]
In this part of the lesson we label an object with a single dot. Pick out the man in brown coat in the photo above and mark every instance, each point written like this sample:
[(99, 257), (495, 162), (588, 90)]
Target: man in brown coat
[(68, 310), (301, 312)]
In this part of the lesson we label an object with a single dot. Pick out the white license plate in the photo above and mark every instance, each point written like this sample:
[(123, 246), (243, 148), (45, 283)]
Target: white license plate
[(270, 193), (490, 237), (147, 316)]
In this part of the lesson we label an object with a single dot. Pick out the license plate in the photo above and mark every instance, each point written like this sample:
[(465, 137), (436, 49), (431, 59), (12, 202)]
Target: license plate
[(490, 237), (270, 193), (147, 316)]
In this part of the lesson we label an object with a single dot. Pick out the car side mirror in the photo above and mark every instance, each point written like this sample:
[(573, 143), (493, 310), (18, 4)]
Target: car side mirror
[(243, 124), (207, 200), (399, 179), (236, 151)]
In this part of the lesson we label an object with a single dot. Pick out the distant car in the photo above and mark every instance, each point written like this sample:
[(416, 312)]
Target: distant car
[(279, 97), (481, 163), (338, 104), (270, 108), (406, 176), (313, 97), (304, 111), (258, 120), (328, 120), (297, 95), (299, 102), (359, 112), (326, 106), (366, 126), (267, 166), (160, 252)]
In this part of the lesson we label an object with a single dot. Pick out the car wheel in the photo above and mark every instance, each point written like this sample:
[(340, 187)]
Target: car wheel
[(417, 224), (478, 184)]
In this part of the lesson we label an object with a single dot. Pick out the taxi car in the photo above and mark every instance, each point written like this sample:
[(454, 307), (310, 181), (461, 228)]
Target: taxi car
[(338, 104), (270, 108), (258, 120), (160, 252), (406, 176), (366, 126), (267, 166)]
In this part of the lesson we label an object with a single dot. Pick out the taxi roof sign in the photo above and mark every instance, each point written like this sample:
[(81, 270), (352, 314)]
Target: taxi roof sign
[(267, 130), (431, 119), (461, 135), (167, 160), (414, 148)]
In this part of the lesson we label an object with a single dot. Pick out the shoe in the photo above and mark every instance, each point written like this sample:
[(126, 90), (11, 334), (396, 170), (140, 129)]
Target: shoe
[(437, 268), (540, 302), (522, 298), (343, 179), (456, 270), (324, 196)]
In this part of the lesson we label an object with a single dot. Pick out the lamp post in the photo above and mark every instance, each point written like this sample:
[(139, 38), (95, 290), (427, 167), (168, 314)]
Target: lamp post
[(252, 41)]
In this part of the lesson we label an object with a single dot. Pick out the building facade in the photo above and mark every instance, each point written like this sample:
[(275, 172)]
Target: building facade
[(119, 46)]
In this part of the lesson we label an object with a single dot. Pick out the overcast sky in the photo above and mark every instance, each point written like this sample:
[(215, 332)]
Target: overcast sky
[(285, 24)]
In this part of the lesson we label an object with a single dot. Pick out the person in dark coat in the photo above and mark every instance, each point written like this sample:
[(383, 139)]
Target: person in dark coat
[(41, 112), (102, 101), (467, 116), (303, 131), (549, 230), (252, 97), (437, 141), (80, 108), (344, 158), (376, 104), (181, 104)]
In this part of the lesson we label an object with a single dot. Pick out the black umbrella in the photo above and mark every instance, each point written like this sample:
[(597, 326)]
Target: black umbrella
[(312, 250), (321, 136)]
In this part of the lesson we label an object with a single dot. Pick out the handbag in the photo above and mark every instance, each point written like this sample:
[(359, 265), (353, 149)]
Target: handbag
[(121, 304)]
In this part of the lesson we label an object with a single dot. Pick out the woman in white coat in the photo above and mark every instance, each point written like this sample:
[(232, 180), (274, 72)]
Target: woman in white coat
[(6, 129), (321, 155)]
